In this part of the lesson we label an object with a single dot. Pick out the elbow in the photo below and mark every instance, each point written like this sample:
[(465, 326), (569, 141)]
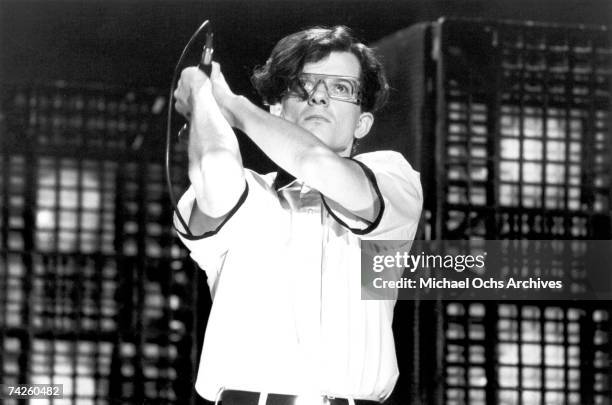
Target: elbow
[(210, 208), (315, 164), (218, 160)]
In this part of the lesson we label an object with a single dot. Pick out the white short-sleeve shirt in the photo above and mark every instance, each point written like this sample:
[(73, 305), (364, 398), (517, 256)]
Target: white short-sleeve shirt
[(284, 273)]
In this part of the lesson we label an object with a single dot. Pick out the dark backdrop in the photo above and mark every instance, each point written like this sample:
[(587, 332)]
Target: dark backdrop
[(130, 42), (136, 43)]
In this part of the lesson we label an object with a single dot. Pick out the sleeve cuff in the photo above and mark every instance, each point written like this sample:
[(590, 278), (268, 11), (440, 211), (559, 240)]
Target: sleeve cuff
[(185, 206), (371, 227)]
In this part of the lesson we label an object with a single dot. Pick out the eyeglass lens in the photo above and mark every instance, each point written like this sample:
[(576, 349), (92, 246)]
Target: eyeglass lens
[(337, 87)]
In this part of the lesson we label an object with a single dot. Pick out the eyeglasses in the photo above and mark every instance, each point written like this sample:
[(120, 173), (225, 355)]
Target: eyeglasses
[(342, 88)]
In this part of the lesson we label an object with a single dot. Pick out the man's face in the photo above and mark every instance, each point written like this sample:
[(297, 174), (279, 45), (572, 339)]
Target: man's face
[(334, 122)]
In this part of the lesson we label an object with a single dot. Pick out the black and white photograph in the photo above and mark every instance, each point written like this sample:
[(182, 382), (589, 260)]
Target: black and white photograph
[(293, 202)]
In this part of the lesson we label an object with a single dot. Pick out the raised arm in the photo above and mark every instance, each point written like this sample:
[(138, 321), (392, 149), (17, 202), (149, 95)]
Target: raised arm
[(301, 153), (215, 165)]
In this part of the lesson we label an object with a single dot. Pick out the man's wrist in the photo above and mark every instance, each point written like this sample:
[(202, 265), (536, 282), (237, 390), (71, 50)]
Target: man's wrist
[(231, 110), (202, 99)]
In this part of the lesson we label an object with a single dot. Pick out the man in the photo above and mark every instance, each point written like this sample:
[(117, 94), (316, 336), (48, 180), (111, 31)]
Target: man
[(287, 324)]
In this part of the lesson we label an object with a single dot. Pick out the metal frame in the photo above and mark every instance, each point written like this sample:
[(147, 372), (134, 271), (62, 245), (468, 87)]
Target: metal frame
[(490, 73), (96, 292)]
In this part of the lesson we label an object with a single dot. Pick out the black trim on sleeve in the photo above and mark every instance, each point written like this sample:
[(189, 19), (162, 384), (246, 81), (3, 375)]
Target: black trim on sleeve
[(370, 175), (230, 214)]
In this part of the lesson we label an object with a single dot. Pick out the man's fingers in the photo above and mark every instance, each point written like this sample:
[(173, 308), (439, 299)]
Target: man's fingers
[(190, 81), (192, 84), (180, 108)]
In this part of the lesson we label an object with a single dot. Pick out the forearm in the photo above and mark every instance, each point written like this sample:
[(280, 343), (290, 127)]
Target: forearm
[(215, 164), (302, 154), (287, 144)]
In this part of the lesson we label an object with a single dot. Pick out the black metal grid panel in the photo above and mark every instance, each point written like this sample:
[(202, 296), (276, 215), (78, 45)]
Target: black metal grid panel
[(523, 151), (465, 374), (407, 122), (95, 291), (526, 354), (509, 124), (524, 145)]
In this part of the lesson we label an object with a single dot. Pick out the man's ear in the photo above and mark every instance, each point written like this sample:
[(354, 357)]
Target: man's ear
[(276, 109), (364, 124)]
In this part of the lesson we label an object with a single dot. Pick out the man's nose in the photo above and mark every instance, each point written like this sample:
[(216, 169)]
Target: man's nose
[(319, 95)]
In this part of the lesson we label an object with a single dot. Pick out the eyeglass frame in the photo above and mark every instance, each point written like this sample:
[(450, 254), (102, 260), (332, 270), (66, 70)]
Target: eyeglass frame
[(356, 82)]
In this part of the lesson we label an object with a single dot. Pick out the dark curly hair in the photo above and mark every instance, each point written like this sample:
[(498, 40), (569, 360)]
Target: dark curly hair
[(291, 53)]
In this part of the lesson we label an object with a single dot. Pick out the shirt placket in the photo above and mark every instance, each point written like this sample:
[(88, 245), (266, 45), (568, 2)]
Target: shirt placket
[(308, 226)]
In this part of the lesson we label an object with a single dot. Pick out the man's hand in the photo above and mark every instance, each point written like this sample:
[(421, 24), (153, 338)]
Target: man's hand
[(223, 94), (215, 164), (189, 86), (194, 83)]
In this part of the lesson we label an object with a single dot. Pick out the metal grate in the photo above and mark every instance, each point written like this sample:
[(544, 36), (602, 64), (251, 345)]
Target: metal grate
[(95, 292), (523, 150), (524, 143), (75, 201), (510, 125), (526, 354), (465, 358)]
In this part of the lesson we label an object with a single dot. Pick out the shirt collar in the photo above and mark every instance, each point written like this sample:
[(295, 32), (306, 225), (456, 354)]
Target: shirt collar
[(286, 181), (291, 184), (283, 179)]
